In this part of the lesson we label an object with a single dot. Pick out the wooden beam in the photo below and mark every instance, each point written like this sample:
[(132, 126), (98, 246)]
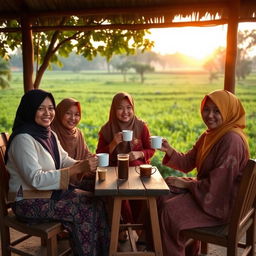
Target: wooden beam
[(231, 50), (122, 26), (131, 26), (253, 19), (177, 8), (27, 54), (128, 26), (143, 10), (10, 30)]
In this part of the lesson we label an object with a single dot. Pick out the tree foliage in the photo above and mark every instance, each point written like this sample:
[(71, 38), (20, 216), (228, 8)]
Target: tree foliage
[(5, 74), (246, 41), (50, 46), (215, 63), (141, 69), (123, 67), (140, 62)]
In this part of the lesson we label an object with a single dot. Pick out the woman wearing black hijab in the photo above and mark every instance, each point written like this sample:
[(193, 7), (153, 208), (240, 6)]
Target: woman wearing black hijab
[(40, 172)]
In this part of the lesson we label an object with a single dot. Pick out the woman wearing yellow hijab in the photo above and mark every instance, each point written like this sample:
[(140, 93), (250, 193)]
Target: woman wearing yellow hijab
[(219, 155)]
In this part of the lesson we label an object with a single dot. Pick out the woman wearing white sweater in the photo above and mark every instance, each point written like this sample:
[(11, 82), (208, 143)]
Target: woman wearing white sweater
[(40, 173)]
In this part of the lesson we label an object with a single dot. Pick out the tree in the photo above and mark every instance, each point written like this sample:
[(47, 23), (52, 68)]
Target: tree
[(123, 67), (49, 46), (147, 57), (215, 63), (246, 41), (141, 69), (5, 74)]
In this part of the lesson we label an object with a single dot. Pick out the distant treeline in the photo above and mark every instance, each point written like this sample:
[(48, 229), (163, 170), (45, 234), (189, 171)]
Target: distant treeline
[(159, 62), (165, 63)]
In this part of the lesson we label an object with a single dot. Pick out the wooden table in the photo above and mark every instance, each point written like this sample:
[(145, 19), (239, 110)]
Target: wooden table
[(135, 188)]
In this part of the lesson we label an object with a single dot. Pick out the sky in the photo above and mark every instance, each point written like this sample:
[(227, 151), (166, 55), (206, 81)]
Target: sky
[(192, 41)]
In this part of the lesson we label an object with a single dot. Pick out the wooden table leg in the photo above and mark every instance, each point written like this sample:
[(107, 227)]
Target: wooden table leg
[(155, 226), (115, 226)]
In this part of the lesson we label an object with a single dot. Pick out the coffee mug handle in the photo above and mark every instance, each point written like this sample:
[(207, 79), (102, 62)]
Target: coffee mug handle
[(155, 169), (137, 170)]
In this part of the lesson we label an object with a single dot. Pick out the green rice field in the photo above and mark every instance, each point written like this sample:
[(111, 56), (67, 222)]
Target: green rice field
[(169, 103)]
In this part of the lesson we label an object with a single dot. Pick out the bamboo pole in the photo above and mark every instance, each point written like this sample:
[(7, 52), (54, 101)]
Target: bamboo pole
[(27, 54), (123, 26), (131, 26)]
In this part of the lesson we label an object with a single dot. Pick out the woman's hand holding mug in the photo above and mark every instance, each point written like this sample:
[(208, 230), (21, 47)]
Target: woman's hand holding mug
[(166, 147)]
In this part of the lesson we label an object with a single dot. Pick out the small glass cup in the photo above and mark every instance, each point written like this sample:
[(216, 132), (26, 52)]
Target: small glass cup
[(102, 173)]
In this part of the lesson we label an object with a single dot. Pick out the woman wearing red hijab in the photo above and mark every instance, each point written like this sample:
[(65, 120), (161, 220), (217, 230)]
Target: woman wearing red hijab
[(122, 117), (219, 155)]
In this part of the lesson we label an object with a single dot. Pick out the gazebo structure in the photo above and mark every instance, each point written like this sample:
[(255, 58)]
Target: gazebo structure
[(126, 15)]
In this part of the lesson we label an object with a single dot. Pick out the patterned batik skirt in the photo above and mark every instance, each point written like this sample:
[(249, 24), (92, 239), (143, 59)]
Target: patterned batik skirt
[(83, 216)]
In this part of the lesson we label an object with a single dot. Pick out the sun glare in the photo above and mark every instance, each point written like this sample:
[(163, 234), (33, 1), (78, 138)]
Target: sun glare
[(192, 41)]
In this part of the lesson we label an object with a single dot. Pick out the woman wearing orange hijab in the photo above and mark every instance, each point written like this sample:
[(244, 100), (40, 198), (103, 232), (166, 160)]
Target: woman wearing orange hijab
[(219, 155)]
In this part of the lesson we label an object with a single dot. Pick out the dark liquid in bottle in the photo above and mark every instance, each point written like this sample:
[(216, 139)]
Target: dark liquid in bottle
[(123, 168)]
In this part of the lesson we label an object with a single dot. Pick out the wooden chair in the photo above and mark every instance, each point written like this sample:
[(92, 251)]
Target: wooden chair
[(240, 232), (46, 231)]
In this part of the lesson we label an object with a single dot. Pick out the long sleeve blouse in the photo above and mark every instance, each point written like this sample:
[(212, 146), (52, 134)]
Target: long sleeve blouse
[(216, 185), (142, 143), (32, 168)]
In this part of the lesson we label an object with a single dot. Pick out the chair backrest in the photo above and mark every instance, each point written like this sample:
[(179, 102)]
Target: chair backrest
[(245, 202), (4, 176)]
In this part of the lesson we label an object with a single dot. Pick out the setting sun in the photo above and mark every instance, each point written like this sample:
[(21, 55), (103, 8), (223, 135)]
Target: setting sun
[(194, 42), (197, 42)]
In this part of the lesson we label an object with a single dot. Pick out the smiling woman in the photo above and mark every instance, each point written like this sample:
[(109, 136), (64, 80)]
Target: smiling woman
[(45, 113)]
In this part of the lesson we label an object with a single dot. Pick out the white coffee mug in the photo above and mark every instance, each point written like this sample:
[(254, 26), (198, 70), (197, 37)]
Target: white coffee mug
[(127, 135), (156, 141), (103, 159)]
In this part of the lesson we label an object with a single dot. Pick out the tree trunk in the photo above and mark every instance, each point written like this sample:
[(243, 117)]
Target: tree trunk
[(46, 61)]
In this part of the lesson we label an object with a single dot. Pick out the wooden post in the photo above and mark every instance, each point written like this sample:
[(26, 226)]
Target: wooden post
[(27, 54), (231, 51)]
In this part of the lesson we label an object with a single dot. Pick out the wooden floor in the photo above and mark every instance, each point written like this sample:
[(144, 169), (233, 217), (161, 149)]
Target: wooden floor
[(32, 245)]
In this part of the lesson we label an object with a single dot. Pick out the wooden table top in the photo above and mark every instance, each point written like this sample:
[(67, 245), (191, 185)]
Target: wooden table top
[(134, 186)]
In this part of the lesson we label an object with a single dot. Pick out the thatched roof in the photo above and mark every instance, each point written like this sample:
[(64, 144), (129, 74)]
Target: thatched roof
[(127, 13)]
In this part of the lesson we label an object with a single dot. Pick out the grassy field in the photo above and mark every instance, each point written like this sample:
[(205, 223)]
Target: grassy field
[(169, 103)]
